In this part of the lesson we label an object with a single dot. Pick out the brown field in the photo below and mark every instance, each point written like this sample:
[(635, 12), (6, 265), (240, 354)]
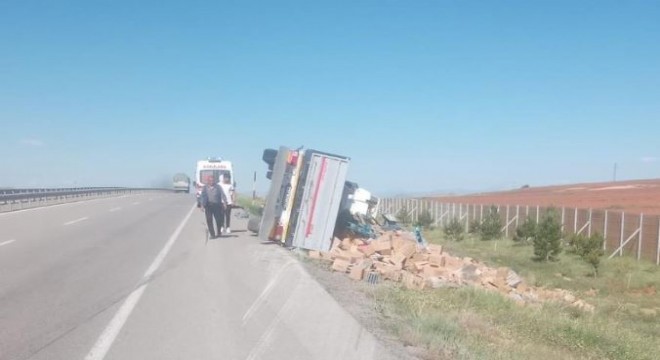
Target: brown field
[(637, 196)]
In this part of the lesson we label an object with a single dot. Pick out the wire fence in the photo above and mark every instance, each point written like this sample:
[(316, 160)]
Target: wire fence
[(625, 233)]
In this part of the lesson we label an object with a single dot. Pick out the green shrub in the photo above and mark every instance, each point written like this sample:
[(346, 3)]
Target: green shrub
[(526, 232), (474, 226), (424, 219), (454, 230), (547, 242), (574, 243), (589, 248), (403, 216), (491, 226), (254, 207)]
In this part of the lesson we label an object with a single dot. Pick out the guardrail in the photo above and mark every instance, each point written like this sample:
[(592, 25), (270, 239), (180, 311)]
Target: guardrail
[(18, 199)]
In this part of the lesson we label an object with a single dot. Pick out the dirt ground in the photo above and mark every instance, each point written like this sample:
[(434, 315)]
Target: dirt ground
[(637, 196)]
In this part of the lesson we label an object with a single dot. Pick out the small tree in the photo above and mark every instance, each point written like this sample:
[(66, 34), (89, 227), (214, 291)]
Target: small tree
[(547, 242), (491, 227), (526, 232), (589, 248), (575, 242), (474, 226), (454, 230), (425, 219), (403, 216)]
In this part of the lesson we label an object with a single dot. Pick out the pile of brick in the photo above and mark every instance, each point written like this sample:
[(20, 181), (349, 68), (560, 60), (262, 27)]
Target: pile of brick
[(396, 256)]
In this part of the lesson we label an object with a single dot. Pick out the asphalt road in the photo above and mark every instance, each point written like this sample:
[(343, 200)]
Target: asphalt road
[(134, 277)]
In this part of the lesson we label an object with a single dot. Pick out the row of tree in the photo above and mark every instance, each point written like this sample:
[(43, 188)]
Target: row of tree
[(546, 236)]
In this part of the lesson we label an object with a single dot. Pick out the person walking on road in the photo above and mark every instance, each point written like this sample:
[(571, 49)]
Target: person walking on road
[(228, 190), (213, 202)]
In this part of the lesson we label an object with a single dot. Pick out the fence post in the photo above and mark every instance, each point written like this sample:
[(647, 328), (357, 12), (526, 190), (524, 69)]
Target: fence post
[(440, 207), (575, 221), (563, 216), (442, 214), (527, 212), (439, 215), (414, 205), (538, 214), (481, 216), (605, 232), (467, 218), (506, 232), (590, 217), (517, 215), (641, 233), (623, 224), (417, 205), (657, 252), (449, 213)]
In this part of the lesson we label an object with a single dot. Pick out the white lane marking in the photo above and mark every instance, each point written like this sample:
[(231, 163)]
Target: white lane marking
[(75, 221), (107, 338), (266, 292), (7, 242), (115, 209)]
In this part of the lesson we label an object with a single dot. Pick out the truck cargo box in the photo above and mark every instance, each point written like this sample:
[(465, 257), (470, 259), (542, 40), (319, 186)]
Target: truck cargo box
[(304, 197)]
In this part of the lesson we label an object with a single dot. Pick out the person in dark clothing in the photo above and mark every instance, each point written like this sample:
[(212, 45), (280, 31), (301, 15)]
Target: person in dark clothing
[(213, 202)]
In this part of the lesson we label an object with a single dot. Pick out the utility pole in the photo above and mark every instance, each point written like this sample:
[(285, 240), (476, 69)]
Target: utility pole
[(254, 186)]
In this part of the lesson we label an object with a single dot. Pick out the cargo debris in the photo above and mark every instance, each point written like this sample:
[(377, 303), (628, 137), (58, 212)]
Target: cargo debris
[(311, 206), (396, 255)]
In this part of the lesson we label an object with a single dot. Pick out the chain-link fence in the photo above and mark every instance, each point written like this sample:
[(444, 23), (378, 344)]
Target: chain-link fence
[(625, 233)]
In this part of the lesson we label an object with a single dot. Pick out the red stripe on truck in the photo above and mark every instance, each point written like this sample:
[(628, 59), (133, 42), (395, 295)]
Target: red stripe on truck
[(310, 225)]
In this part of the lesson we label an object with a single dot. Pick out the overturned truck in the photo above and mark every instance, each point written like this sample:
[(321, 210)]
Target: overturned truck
[(307, 196)]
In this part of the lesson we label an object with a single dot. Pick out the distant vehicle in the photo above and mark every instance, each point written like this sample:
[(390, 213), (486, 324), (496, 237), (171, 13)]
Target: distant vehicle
[(181, 183), (214, 168)]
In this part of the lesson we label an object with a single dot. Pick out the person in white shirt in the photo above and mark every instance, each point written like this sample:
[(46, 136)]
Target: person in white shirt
[(230, 194)]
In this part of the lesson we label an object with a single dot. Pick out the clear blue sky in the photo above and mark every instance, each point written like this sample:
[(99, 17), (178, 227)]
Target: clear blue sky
[(422, 95)]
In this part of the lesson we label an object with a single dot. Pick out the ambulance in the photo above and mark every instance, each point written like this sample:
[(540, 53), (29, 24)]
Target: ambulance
[(212, 168)]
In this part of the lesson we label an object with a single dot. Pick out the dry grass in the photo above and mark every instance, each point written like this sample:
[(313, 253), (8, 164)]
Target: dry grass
[(469, 323)]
